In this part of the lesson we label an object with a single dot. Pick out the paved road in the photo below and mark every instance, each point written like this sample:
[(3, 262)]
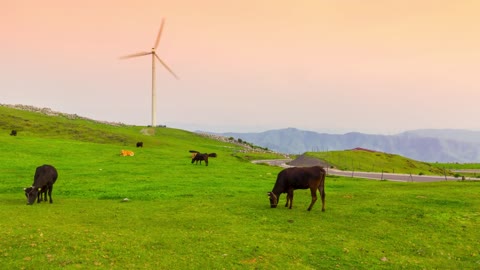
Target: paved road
[(370, 175)]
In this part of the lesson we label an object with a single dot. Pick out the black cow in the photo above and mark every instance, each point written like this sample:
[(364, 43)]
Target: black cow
[(45, 177), (139, 144), (199, 157), (13, 133), (299, 178)]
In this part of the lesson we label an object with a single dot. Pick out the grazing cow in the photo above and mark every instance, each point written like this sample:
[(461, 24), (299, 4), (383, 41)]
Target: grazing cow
[(139, 144), (45, 177), (13, 133), (299, 178), (199, 157), (127, 153), (196, 157)]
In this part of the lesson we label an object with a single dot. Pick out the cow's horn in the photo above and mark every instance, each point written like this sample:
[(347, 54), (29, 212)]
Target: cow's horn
[(24, 188)]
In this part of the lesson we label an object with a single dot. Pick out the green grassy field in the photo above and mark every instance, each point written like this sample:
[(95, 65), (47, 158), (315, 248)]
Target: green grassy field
[(184, 216)]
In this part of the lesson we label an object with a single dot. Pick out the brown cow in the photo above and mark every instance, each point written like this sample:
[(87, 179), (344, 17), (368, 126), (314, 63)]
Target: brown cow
[(299, 178)]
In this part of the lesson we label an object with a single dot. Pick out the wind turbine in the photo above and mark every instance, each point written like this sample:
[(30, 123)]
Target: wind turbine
[(154, 55)]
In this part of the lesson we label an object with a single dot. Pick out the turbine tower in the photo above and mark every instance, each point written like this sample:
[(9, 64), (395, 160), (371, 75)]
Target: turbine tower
[(154, 56)]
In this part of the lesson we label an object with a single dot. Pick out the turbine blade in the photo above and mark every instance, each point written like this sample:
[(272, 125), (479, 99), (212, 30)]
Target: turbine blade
[(135, 55), (159, 34), (165, 65)]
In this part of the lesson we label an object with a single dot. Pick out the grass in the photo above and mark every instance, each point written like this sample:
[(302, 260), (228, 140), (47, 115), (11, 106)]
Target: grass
[(184, 216), (458, 166)]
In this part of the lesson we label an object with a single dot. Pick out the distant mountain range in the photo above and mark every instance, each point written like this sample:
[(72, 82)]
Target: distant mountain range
[(430, 145)]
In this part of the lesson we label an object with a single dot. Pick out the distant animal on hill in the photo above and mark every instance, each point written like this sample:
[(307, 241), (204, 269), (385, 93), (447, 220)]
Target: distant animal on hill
[(13, 133), (199, 157), (139, 144), (45, 177), (127, 153), (289, 179)]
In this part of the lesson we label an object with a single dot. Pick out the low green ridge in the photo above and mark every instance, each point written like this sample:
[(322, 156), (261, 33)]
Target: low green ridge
[(372, 161)]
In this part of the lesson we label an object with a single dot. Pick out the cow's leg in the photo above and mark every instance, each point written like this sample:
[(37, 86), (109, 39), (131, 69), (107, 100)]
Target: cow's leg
[(321, 189), (44, 194), (50, 193), (288, 198), (314, 197), (291, 198)]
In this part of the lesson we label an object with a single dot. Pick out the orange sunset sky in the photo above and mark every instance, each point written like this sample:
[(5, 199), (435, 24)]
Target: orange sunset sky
[(331, 66)]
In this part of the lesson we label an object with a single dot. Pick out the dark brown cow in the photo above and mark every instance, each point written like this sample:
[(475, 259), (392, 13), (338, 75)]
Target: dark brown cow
[(45, 177), (139, 144), (199, 157), (299, 178)]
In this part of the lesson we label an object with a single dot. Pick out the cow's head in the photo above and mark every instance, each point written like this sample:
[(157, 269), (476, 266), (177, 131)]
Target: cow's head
[(31, 193), (273, 199)]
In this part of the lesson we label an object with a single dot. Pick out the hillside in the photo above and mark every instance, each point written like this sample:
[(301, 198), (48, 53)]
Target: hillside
[(424, 145), (32, 122)]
